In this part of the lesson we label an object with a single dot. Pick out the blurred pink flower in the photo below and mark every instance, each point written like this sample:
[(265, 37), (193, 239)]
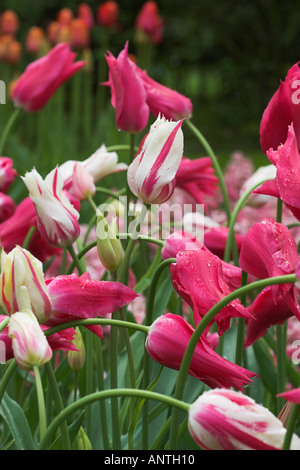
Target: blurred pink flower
[(43, 77), (7, 174), (149, 22)]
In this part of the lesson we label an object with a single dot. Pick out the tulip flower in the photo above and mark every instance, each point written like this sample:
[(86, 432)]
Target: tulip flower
[(128, 94), (7, 174), (35, 40), (9, 22), (163, 100), (107, 14), (43, 77), (7, 207), (57, 218), (281, 112), (108, 245), (29, 343), (200, 278), (149, 23), (269, 250), (60, 341), (151, 175), (99, 165), (167, 340), (22, 284), (285, 185), (228, 420), (85, 13), (76, 358), (83, 183), (179, 241)]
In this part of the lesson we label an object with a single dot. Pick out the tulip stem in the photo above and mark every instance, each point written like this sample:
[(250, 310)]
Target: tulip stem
[(75, 259), (41, 400), (241, 326), (205, 321), (7, 128), (291, 426), (239, 206), (216, 165), (104, 394)]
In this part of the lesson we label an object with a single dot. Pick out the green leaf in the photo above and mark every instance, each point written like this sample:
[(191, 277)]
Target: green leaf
[(267, 370), (17, 423)]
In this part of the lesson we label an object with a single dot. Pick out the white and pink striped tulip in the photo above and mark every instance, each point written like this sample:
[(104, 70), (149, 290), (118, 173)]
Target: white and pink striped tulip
[(151, 175), (222, 419), (57, 218)]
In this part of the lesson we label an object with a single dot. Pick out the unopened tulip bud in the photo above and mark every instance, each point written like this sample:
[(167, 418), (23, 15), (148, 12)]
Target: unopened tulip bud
[(9, 22), (76, 359), (30, 346), (83, 442), (83, 182), (107, 14), (228, 420), (109, 246)]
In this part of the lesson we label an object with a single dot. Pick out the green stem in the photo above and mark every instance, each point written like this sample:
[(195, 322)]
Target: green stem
[(41, 400), (100, 375), (4, 323), (87, 400), (291, 426), (241, 327), (206, 320), (59, 404), (216, 165), (7, 128), (75, 259), (148, 322)]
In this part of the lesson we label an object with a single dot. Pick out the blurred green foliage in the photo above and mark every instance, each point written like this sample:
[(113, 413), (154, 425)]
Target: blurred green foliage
[(227, 56)]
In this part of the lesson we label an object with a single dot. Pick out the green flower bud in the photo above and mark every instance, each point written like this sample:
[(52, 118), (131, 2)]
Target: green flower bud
[(109, 246), (76, 358)]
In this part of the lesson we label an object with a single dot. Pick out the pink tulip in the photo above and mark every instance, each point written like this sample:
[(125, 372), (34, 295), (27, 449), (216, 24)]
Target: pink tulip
[(215, 239), (281, 112), (74, 297), (7, 207), (43, 77), (291, 395), (151, 175), (286, 184), (228, 420), (179, 241), (7, 174), (83, 183), (128, 95), (267, 311), (150, 23), (200, 279), (167, 340), (269, 250), (164, 101), (57, 218)]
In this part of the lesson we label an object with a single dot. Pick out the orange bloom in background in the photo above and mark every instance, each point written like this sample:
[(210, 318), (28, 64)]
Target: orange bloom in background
[(35, 40), (9, 22), (79, 34), (53, 31), (107, 14), (10, 50), (85, 13), (65, 16)]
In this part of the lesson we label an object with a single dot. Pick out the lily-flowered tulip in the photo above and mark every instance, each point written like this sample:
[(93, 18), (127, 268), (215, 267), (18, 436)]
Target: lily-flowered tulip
[(151, 175), (269, 250), (281, 112), (163, 100), (22, 284), (43, 77), (228, 420), (7, 173), (128, 94), (59, 341), (29, 343), (202, 279), (99, 165), (285, 185), (167, 340), (57, 218)]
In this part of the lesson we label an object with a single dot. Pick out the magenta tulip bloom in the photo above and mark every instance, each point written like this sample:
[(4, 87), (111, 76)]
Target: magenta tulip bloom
[(164, 101), (43, 77), (151, 175), (269, 250), (74, 297), (228, 420), (281, 112), (180, 241), (128, 95), (202, 280), (286, 184), (167, 340), (7, 174), (291, 395)]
